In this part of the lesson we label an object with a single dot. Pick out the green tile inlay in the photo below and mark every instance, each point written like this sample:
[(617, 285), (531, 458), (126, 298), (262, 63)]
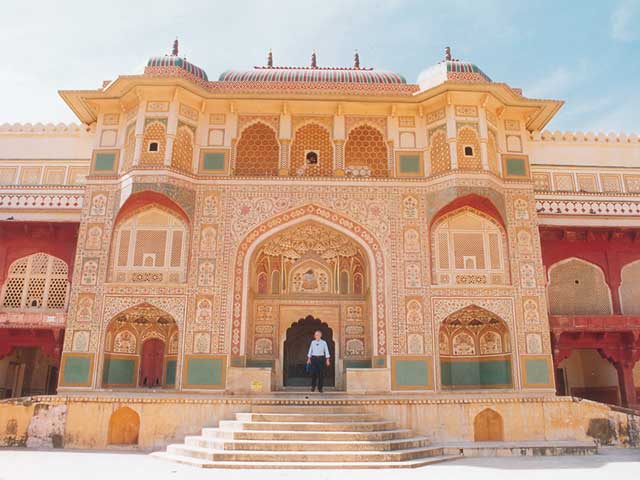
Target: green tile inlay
[(491, 373), (205, 372), (104, 162), (537, 371), (170, 377), (409, 163), (213, 161), (119, 371), (516, 167), (412, 373), (76, 370)]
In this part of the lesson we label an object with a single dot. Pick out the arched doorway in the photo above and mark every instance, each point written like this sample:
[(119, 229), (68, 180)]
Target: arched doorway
[(151, 363), (296, 347), (141, 349)]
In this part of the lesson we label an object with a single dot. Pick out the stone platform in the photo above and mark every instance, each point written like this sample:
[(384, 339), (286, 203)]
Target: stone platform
[(394, 425), (317, 434)]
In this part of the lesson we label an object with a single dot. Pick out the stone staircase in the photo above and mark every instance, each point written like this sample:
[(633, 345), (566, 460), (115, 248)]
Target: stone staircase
[(305, 436)]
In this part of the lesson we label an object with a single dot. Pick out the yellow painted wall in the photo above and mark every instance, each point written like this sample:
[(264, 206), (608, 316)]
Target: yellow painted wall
[(164, 421)]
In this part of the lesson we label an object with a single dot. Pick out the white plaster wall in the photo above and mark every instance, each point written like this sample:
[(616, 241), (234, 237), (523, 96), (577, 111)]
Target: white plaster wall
[(45, 146), (577, 154)]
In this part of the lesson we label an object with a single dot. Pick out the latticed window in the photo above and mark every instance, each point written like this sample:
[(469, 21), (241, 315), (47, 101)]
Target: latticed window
[(36, 282), (577, 287), (150, 247), (469, 249)]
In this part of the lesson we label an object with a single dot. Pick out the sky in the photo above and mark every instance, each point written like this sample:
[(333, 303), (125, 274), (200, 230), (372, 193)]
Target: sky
[(585, 52)]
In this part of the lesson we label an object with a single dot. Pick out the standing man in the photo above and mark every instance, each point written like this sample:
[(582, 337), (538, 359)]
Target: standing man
[(318, 357)]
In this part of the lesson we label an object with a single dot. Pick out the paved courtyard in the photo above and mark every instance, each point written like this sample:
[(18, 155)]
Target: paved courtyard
[(611, 464)]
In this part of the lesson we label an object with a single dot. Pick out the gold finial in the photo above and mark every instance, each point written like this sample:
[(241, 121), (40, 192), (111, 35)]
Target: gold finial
[(174, 50), (447, 53), (356, 59), (270, 59), (314, 62)]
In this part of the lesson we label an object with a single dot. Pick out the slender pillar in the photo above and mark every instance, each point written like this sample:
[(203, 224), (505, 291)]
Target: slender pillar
[(625, 379), (451, 136)]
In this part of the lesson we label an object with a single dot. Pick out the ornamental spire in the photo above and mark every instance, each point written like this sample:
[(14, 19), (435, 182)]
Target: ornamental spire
[(447, 53), (270, 59), (314, 62), (174, 50), (356, 60)]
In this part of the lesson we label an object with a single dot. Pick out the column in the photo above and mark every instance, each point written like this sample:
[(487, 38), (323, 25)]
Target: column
[(484, 135), (451, 136), (139, 132), (285, 141), (172, 128), (338, 145)]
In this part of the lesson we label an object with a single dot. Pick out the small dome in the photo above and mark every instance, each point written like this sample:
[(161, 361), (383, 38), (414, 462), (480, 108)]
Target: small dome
[(179, 62), (453, 70), (176, 61)]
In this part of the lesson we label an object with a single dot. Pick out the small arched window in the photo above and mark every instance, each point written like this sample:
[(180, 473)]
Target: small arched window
[(36, 282), (468, 151)]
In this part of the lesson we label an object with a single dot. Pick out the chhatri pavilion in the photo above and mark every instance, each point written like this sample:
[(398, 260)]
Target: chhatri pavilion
[(165, 262)]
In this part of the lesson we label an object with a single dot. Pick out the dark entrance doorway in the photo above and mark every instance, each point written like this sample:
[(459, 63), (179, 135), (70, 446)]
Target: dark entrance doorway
[(151, 363), (296, 346)]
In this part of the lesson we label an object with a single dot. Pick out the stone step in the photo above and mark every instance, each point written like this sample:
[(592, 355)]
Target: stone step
[(306, 417), (307, 445), (419, 462), (309, 426), (305, 435), (304, 408), (302, 456)]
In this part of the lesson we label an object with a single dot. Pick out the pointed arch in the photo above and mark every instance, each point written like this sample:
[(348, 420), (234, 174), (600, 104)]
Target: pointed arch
[(182, 151), (309, 213), (311, 137), (36, 282), (439, 153), (629, 290), (365, 151), (488, 426), (257, 152), (469, 247), (474, 350), (124, 427), (578, 287), (155, 131), (468, 149), (149, 244)]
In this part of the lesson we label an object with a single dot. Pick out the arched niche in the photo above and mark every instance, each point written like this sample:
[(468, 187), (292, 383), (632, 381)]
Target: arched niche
[(141, 349), (124, 427), (578, 287), (475, 351)]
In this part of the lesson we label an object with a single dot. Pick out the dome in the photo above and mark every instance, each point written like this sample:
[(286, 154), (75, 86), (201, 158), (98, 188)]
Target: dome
[(453, 70), (175, 61), (178, 62), (314, 75)]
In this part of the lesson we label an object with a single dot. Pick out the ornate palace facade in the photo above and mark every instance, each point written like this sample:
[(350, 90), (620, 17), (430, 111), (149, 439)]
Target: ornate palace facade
[(191, 234)]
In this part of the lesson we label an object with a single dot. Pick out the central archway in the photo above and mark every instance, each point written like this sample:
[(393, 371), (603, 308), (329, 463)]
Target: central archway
[(296, 347), (311, 267)]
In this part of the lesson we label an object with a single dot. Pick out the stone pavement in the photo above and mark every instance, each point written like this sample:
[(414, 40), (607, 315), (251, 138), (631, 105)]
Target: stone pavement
[(611, 464)]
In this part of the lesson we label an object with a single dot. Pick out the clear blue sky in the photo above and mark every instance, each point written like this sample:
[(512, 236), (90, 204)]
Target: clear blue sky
[(584, 52)]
